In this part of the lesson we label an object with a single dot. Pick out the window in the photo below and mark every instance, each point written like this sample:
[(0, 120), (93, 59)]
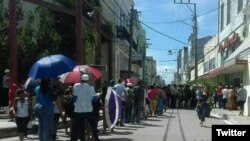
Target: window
[(221, 17), (212, 64), (228, 11), (240, 5), (206, 66)]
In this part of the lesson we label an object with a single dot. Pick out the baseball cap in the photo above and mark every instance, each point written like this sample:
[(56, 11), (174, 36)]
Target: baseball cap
[(84, 77), (6, 71)]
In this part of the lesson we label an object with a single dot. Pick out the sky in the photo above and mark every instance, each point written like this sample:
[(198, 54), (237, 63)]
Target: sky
[(165, 16)]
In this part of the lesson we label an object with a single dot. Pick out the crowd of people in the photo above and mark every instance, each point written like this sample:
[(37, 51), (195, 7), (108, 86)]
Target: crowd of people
[(79, 105)]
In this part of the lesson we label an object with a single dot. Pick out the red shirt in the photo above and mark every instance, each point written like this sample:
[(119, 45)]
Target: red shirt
[(11, 94), (219, 90)]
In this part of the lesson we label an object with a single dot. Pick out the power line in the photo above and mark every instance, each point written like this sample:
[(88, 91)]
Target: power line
[(167, 60), (182, 20), (164, 34), (163, 48)]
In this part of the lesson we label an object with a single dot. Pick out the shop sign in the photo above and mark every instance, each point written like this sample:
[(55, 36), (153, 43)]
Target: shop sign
[(229, 42)]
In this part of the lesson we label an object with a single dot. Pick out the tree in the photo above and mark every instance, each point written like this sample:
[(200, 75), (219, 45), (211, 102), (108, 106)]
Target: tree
[(3, 39), (36, 38)]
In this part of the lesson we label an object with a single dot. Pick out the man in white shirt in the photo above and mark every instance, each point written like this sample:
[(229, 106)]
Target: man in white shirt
[(83, 95)]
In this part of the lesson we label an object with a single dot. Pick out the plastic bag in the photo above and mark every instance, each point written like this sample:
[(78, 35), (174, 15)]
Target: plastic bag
[(30, 124)]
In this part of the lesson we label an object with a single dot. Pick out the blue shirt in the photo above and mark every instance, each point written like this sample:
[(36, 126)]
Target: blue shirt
[(43, 99)]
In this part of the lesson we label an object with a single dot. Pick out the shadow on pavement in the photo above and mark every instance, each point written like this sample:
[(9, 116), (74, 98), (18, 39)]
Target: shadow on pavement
[(126, 128), (117, 139), (122, 133), (151, 119), (165, 116), (147, 124), (134, 126), (206, 126)]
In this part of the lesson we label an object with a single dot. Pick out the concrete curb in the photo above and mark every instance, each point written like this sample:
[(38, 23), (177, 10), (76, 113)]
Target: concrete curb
[(225, 117), (12, 131)]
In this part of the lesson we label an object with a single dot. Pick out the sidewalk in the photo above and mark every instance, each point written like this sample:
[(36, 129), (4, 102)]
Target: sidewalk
[(8, 129), (232, 116)]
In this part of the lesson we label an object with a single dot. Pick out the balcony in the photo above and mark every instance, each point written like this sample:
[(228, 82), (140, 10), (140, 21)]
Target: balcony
[(137, 58)]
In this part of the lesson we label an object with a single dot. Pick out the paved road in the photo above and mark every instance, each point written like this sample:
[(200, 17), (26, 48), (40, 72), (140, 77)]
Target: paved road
[(174, 125)]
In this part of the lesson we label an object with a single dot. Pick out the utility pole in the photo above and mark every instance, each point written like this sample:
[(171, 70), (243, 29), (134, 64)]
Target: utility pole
[(98, 44), (195, 32), (79, 37), (130, 41), (195, 43), (12, 41)]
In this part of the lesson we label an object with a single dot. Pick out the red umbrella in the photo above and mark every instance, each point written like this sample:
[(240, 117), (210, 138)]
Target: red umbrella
[(74, 76), (132, 80)]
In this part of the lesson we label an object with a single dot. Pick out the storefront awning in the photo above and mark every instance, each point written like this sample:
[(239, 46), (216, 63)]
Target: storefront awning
[(237, 66), (238, 53)]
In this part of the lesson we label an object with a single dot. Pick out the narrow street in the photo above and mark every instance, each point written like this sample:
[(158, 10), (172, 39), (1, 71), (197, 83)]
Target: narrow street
[(173, 125)]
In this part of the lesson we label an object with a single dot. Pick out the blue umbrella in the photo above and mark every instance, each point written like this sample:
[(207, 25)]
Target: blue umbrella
[(30, 84), (51, 66)]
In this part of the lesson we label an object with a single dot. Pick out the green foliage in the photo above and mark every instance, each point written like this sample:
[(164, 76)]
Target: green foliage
[(210, 87), (95, 2), (66, 3), (89, 45), (3, 38), (36, 38)]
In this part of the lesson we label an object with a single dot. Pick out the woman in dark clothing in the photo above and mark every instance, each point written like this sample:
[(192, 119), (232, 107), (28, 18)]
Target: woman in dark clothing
[(201, 96)]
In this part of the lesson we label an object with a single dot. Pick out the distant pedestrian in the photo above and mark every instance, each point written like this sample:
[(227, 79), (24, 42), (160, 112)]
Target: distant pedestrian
[(83, 93)]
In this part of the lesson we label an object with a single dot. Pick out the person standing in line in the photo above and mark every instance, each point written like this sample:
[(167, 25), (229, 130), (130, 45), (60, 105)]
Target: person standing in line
[(152, 100), (44, 109), (215, 99), (23, 112), (4, 101), (174, 94), (57, 110), (138, 100), (224, 96), (103, 96), (68, 109), (219, 95), (83, 95), (231, 103), (241, 99), (129, 103), (121, 90)]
